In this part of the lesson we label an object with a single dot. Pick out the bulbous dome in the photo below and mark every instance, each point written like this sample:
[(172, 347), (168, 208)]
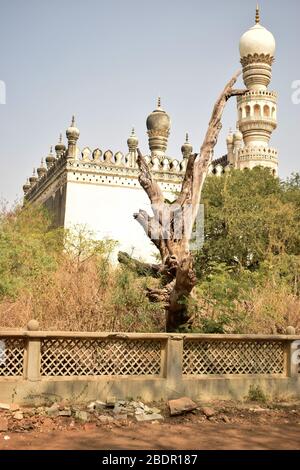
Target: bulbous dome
[(257, 40), (187, 148), (132, 140), (26, 187), (158, 121), (33, 178), (72, 132), (60, 146), (237, 135), (41, 171), (229, 139), (50, 159)]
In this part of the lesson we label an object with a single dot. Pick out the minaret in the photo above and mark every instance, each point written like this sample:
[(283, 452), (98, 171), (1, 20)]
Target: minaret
[(60, 147), (229, 142), (50, 159), (257, 109), (132, 143), (72, 134), (186, 148), (158, 126), (42, 170)]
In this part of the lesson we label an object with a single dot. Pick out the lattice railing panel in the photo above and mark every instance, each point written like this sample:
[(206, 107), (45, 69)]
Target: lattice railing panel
[(81, 357), (11, 356), (233, 357)]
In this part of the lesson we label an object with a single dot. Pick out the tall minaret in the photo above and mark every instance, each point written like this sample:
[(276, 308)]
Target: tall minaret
[(257, 109)]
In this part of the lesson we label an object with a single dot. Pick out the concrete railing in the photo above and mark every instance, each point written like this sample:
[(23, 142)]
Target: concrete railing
[(38, 366)]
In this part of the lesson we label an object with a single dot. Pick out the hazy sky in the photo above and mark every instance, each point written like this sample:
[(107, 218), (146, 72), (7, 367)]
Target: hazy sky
[(107, 61)]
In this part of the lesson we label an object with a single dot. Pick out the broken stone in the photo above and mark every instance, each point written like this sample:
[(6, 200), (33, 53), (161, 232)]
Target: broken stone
[(91, 406), (99, 404), (65, 413), (225, 419), (53, 411), (258, 410), (3, 424), (181, 405), (156, 410), (103, 419), (14, 407), (29, 412), (149, 417), (110, 402), (209, 412), (82, 415), (4, 406), (18, 415)]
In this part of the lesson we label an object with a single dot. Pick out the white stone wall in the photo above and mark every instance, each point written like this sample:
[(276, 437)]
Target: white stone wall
[(108, 212)]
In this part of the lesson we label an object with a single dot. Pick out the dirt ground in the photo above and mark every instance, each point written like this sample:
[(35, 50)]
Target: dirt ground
[(232, 426)]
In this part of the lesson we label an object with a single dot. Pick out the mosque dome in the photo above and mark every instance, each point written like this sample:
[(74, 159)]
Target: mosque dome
[(72, 132), (229, 138), (41, 171), (132, 140), (33, 179), (158, 121), (257, 40), (60, 146), (187, 148), (26, 187), (50, 159), (238, 135)]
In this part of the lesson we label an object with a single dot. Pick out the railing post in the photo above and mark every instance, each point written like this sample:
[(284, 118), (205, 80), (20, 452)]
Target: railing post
[(293, 358), (33, 354), (174, 365)]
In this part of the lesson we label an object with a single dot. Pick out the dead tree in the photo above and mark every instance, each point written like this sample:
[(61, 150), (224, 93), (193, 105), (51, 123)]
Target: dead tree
[(176, 270)]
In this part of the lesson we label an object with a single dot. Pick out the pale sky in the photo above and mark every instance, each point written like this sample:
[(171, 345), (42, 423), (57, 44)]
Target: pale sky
[(107, 61)]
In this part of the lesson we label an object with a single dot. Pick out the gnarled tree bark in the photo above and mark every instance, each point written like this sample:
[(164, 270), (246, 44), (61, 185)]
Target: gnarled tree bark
[(177, 272)]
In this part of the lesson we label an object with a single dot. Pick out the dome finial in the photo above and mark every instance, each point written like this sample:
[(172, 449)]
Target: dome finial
[(158, 103), (187, 148), (73, 121), (257, 15)]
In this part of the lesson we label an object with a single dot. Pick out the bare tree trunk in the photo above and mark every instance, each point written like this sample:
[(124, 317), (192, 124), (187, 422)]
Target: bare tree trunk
[(177, 267)]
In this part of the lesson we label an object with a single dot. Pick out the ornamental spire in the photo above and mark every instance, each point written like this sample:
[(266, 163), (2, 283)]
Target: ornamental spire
[(257, 15)]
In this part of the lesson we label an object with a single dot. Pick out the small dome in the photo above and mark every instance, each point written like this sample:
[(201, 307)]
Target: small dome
[(187, 148), (41, 171), (33, 179), (229, 139), (237, 135), (257, 40), (26, 187), (50, 159), (132, 140), (60, 146), (158, 121), (72, 132)]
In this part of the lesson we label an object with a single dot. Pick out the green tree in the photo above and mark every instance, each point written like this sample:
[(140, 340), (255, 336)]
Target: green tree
[(29, 246), (249, 216)]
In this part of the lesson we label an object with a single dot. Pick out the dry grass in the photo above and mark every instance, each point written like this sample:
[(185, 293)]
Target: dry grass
[(89, 296)]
